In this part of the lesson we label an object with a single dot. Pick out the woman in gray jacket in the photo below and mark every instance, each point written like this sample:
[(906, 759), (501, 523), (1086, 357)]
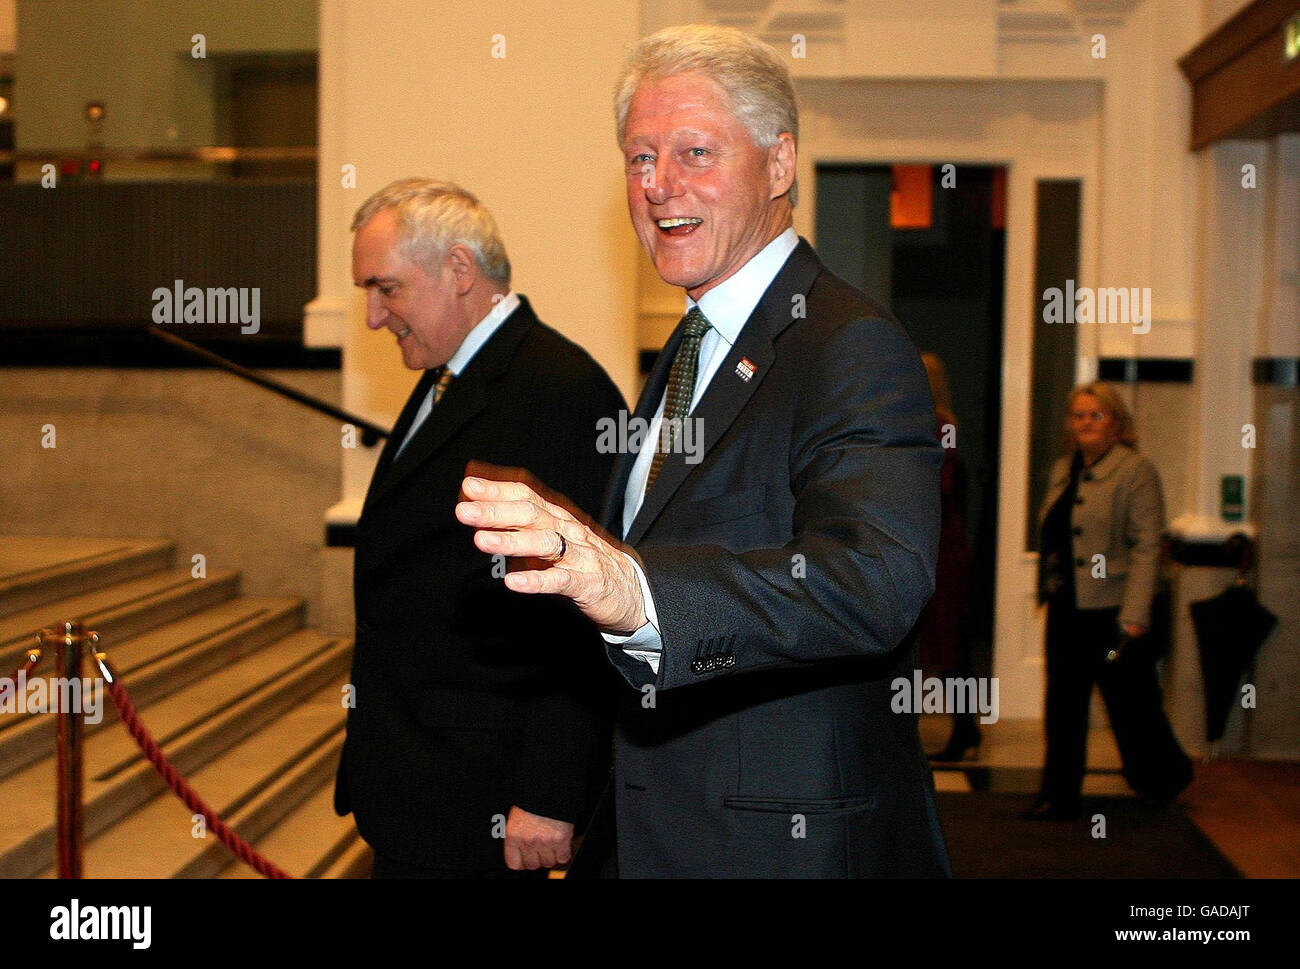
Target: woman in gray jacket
[(1098, 569)]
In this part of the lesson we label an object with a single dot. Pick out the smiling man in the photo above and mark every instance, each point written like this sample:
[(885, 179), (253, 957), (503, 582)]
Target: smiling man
[(760, 600), (478, 736)]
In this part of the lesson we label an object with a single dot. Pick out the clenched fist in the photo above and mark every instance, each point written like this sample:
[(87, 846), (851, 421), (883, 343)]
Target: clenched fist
[(533, 841)]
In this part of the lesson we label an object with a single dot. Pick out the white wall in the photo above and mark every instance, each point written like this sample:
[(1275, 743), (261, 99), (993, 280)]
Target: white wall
[(411, 87), (1281, 319), (1216, 12), (8, 26)]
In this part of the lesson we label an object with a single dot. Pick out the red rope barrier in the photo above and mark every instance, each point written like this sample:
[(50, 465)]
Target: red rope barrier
[(131, 720)]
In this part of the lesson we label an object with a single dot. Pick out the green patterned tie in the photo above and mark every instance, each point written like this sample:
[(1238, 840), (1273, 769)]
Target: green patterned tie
[(681, 388)]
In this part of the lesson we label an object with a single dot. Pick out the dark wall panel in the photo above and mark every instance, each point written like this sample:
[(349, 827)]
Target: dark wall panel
[(93, 254), (1056, 259)]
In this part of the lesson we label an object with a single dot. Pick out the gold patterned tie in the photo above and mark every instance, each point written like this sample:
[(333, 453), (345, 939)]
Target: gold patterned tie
[(681, 388), (445, 378)]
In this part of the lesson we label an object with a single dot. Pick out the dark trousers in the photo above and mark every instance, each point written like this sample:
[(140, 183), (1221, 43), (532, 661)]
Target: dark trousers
[(1077, 642), (393, 868)]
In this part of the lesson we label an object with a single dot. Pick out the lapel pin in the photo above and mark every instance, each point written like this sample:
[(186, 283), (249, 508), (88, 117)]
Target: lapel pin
[(745, 369)]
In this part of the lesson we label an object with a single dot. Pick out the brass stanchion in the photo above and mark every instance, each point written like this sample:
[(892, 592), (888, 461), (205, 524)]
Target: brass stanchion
[(69, 643)]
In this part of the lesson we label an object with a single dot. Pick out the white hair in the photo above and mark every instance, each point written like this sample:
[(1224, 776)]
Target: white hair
[(432, 217), (755, 79)]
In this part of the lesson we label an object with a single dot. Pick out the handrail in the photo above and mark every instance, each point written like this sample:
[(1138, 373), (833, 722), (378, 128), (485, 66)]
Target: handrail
[(370, 433), (203, 153)]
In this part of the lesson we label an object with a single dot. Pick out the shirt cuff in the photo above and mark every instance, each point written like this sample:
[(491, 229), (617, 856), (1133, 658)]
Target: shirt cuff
[(646, 643)]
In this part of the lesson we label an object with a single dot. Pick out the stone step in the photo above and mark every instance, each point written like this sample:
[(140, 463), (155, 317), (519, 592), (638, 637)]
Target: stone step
[(354, 862), (116, 612), (252, 786), (193, 726), (244, 701), (312, 771), (157, 663), (36, 570), (309, 840)]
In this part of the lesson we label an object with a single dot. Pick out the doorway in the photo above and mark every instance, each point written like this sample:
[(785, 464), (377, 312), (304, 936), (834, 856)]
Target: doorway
[(929, 241)]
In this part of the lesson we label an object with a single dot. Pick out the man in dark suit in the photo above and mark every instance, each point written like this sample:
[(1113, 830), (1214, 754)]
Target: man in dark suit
[(763, 595), (477, 738)]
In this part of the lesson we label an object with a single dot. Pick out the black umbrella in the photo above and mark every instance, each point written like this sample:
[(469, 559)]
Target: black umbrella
[(1230, 628)]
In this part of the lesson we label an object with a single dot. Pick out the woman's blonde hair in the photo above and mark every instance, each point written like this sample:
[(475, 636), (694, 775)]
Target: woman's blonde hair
[(1112, 403)]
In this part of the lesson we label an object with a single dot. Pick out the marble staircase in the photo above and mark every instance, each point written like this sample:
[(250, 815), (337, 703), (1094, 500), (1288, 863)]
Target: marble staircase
[(244, 700)]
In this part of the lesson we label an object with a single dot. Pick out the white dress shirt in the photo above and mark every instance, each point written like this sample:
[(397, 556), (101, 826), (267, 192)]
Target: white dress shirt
[(471, 345), (727, 306)]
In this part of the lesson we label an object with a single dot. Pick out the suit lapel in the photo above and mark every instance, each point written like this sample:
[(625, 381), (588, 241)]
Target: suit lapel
[(728, 392), (465, 398), (398, 433)]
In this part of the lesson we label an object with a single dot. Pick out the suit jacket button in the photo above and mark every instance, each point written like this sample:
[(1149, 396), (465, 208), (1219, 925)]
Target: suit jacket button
[(1078, 501), (1087, 476), (363, 627), (1078, 529), (1079, 562)]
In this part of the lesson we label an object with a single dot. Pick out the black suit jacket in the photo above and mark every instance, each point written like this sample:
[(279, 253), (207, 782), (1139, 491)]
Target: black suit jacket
[(787, 568), (471, 698)]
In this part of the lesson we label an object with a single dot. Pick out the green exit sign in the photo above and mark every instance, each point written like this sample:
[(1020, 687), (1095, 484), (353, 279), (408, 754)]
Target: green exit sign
[(1291, 38), (1233, 501)]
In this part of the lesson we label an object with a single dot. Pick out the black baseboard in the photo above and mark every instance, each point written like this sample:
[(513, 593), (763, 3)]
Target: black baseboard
[(338, 535), (1127, 370), (1277, 371)]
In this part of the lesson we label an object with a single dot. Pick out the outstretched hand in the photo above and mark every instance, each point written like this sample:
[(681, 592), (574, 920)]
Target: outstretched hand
[(560, 550)]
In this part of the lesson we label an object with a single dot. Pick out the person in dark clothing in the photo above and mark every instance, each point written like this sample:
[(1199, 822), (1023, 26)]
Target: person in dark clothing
[(479, 737), (945, 645)]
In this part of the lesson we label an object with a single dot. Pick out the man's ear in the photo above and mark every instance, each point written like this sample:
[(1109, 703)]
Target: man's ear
[(781, 164), (464, 270)]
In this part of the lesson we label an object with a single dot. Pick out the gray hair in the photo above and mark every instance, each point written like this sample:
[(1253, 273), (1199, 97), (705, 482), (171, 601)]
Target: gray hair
[(756, 80), (432, 217)]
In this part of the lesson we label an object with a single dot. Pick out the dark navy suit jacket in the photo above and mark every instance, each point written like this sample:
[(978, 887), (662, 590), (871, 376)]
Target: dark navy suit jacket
[(788, 568)]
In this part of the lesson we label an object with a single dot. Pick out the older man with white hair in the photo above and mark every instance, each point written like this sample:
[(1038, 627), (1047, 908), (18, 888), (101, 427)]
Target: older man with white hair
[(478, 736), (758, 600)]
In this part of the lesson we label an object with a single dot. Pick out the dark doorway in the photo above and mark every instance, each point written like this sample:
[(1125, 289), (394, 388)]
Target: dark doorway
[(268, 101), (929, 241)]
